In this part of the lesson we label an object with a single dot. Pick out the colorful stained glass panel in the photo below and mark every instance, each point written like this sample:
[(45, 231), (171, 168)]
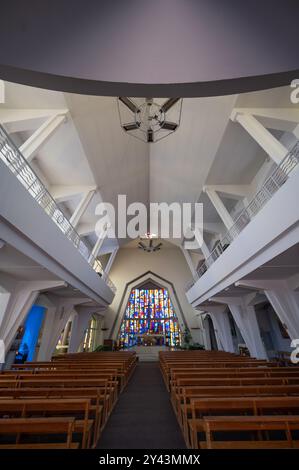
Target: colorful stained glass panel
[(149, 313)]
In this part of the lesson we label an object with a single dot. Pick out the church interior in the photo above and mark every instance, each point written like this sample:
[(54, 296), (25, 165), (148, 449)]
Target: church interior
[(149, 225)]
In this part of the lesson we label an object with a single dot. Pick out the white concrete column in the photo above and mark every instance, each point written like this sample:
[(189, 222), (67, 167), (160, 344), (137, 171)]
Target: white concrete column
[(246, 320), (206, 332), (80, 324), (59, 311), (51, 317), (81, 208), (261, 135), (66, 332), (99, 340), (222, 328), (286, 305), (23, 295), (220, 207), (284, 300)]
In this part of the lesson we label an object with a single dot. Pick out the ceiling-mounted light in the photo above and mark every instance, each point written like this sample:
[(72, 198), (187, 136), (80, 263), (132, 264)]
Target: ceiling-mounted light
[(127, 102), (168, 104), (149, 247), (146, 119), (131, 126)]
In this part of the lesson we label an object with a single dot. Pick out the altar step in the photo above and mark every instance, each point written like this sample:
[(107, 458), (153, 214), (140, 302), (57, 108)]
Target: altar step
[(149, 353)]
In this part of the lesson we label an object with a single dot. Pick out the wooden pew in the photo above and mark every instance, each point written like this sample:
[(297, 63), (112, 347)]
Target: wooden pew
[(234, 384), (211, 365), (94, 377), (182, 405), (238, 405), (121, 372), (106, 390), (34, 427), (257, 427), (78, 408), (93, 394), (69, 379)]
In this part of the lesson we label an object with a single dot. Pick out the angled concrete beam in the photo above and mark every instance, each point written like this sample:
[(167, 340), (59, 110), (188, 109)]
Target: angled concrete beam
[(189, 262), (81, 208), (85, 229), (98, 244), (275, 118), (236, 191), (220, 207), (20, 120), (261, 135), (15, 115), (63, 193), (111, 261), (205, 250), (213, 227), (32, 145)]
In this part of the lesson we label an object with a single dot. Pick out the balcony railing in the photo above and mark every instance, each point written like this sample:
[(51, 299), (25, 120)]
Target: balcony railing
[(19, 166), (270, 187)]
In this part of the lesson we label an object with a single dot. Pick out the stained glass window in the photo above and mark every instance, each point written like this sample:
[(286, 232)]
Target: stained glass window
[(149, 315)]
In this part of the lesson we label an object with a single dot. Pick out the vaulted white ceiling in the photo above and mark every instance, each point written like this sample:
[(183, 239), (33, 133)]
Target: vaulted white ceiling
[(91, 149)]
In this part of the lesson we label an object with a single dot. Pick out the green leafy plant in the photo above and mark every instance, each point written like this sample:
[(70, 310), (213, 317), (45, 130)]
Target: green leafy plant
[(102, 347), (188, 342)]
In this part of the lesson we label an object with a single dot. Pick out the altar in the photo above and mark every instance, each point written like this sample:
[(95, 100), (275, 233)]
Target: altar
[(148, 353), (148, 340)]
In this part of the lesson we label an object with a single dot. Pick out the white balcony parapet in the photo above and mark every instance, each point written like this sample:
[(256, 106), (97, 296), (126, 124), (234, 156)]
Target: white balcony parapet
[(20, 167), (272, 184)]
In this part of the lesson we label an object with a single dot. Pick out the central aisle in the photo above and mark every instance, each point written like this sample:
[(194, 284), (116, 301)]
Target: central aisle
[(143, 417)]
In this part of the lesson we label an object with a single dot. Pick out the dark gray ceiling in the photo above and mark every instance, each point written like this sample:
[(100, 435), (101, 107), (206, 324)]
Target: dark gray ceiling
[(156, 48)]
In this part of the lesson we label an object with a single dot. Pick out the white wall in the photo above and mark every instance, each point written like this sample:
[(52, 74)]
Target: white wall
[(169, 263)]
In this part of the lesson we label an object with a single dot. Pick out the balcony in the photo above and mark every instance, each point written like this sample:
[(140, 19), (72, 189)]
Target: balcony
[(271, 186), (18, 165)]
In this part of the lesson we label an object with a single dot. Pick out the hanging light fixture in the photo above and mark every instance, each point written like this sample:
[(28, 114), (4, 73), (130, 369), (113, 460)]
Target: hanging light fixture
[(149, 247), (149, 120)]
